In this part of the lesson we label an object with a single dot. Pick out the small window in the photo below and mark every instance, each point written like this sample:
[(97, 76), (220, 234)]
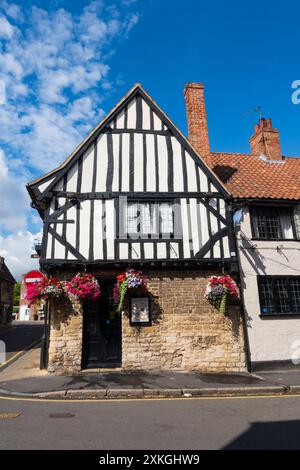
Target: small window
[(272, 223), (279, 295), (149, 219)]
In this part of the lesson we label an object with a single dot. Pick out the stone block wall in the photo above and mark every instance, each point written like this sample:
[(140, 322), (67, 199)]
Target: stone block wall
[(65, 344), (187, 333), (190, 335)]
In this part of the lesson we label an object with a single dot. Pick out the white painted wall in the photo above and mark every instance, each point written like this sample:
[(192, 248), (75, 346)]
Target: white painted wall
[(24, 313), (271, 339)]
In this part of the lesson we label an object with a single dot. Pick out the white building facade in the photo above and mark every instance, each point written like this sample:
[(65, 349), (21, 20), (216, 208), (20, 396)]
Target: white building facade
[(265, 188), (270, 279)]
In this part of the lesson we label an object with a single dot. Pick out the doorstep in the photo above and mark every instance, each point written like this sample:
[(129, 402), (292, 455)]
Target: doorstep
[(101, 370)]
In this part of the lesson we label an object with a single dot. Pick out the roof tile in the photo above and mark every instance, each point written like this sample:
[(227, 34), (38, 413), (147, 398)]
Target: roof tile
[(248, 176)]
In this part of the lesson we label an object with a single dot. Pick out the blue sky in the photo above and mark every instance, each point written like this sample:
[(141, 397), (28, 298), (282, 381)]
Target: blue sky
[(64, 64)]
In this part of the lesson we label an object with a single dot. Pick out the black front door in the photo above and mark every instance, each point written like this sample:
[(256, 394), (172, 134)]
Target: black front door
[(101, 331)]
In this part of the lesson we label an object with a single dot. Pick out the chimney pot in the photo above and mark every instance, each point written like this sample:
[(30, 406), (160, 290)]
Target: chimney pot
[(269, 123), (262, 123)]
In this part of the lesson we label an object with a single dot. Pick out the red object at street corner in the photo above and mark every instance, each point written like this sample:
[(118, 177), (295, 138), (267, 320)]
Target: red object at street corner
[(33, 276)]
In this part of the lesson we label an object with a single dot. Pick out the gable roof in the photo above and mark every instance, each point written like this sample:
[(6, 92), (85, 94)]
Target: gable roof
[(51, 177), (5, 274), (249, 176)]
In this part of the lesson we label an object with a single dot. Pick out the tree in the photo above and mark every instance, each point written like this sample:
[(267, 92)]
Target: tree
[(17, 293)]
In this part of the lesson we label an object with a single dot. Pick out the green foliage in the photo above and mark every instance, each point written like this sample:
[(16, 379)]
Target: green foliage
[(122, 293), (17, 293)]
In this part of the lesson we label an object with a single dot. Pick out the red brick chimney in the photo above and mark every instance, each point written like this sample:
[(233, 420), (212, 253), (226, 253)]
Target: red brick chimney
[(265, 140), (197, 120)]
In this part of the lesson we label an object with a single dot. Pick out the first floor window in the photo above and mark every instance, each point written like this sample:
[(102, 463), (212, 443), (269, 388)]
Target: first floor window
[(149, 219), (272, 223), (279, 295)]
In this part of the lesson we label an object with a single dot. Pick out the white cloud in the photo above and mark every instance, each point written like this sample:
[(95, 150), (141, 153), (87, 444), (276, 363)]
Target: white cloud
[(7, 30), (132, 21), (51, 69), (12, 10), (9, 65), (14, 200), (16, 249), (54, 74), (3, 166)]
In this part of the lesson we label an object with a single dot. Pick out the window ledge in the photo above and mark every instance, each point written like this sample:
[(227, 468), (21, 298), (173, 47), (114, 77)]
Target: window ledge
[(279, 315)]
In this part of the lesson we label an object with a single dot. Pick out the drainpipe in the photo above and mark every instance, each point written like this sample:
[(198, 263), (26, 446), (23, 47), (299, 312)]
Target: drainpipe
[(45, 338), (243, 311)]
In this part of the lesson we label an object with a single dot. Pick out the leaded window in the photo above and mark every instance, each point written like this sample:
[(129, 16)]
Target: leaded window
[(279, 295), (272, 223), (149, 219)]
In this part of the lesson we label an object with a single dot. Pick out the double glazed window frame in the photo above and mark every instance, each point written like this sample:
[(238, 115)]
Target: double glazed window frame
[(255, 209), (284, 303), (158, 234)]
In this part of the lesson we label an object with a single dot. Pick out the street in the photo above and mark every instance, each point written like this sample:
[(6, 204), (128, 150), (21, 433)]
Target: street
[(21, 335), (228, 423)]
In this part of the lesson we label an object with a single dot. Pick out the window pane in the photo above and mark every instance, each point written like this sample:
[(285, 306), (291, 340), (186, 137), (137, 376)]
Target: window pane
[(283, 305), (132, 219), (295, 294), (148, 218), (286, 224), (268, 224), (145, 218), (166, 218), (267, 296)]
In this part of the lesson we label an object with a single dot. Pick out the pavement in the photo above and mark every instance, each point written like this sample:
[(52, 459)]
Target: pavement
[(20, 336), (24, 378)]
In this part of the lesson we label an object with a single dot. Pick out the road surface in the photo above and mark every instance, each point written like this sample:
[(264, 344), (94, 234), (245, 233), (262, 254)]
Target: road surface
[(236, 423), (20, 335)]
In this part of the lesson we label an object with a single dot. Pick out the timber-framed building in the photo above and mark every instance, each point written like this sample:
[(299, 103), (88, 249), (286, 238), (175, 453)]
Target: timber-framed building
[(136, 193)]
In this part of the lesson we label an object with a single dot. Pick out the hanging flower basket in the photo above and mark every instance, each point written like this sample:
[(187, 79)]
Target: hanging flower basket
[(84, 286), (129, 280), (219, 289), (45, 289)]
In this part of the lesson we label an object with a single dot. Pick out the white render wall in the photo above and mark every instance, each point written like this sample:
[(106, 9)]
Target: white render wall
[(271, 339)]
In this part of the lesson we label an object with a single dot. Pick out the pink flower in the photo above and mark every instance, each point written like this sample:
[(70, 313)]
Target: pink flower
[(84, 286)]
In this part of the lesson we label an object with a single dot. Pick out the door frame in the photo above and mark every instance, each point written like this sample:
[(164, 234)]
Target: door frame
[(110, 365)]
